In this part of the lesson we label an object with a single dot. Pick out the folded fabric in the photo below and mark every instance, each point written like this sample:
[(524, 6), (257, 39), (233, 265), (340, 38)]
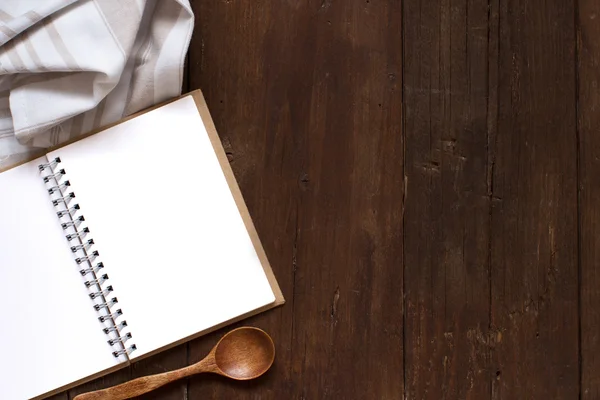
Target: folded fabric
[(69, 66)]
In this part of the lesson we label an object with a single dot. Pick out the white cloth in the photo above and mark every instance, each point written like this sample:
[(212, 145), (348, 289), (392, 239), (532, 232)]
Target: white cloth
[(69, 66)]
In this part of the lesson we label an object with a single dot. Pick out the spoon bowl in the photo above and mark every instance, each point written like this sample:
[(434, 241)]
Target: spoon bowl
[(242, 354)]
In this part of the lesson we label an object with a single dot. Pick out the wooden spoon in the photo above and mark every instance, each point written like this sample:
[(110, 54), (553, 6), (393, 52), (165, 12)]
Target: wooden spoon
[(242, 354)]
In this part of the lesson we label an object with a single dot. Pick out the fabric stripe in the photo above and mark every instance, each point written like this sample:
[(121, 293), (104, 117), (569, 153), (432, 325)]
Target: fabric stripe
[(64, 131), (14, 57), (33, 16), (51, 135), (59, 44), (55, 133), (6, 124), (113, 12), (5, 17), (145, 96), (141, 50), (6, 66), (30, 79), (88, 120), (32, 53), (99, 114), (139, 59), (174, 46), (7, 31), (76, 126)]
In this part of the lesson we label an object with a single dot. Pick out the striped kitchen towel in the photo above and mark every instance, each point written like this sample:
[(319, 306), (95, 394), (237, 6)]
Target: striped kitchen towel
[(69, 66)]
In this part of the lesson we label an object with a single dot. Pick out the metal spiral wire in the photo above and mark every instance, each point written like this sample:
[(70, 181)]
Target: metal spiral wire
[(85, 254)]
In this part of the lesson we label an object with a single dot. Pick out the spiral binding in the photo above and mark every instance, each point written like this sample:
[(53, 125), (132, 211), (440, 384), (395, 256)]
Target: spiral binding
[(69, 211), (107, 305), (116, 328), (77, 235), (91, 270), (73, 223), (95, 283), (86, 246), (88, 258), (121, 339), (55, 176), (128, 350), (59, 188), (65, 200), (101, 293)]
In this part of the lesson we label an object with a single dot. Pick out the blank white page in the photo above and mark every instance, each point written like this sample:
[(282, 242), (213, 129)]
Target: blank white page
[(166, 225), (49, 335)]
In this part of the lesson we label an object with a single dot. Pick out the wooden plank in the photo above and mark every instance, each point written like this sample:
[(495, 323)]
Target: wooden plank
[(448, 335), (534, 220), (589, 218), (307, 97), (350, 281), (243, 96)]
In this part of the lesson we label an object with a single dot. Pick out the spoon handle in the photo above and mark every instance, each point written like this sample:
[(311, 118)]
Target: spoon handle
[(146, 384)]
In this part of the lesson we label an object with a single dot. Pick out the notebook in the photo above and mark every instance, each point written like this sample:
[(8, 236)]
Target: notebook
[(122, 244)]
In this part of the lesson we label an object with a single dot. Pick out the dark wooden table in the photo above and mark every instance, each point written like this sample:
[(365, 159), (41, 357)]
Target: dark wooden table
[(425, 177)]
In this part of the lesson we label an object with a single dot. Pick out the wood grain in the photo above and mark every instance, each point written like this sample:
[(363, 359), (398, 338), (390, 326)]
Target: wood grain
[(312, 112), (447, 229), (463, 212), (534, 222), (263, 162), (589, 194)]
